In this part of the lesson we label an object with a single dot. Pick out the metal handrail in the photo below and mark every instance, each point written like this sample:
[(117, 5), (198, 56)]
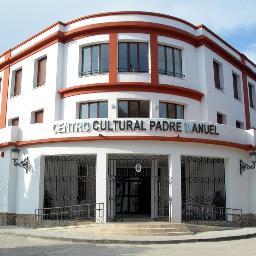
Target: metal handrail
[(71, 213), (209, 213)]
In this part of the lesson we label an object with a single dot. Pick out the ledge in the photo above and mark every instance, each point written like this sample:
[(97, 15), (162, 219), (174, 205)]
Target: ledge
[(246, 147), (138, 87)]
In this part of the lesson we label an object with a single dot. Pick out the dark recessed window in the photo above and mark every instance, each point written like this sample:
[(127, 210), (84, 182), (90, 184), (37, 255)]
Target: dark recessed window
[(220, 118), (17, 82), (169, 61), (133, 108), (133, 57), (217, 75), (239, 124), (0, 84), (252, 95), (15, 122), (41, 72), (38, 116), (171, 110), (93, 110), (95, 59), (236, 87)]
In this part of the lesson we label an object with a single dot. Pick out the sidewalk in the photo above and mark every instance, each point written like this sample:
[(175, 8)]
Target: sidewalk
[(83, 234)]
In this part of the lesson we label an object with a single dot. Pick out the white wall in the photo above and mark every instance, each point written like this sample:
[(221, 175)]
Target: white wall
[(28, 196)]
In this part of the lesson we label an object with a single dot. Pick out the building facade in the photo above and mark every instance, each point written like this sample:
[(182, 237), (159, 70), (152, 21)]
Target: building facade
[(126, 115)]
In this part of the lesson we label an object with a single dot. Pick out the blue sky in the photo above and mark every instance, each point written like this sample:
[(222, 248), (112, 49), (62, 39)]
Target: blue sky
[(235, 20)]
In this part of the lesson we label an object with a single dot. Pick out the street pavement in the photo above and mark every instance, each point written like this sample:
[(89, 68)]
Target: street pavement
[(11, 245)]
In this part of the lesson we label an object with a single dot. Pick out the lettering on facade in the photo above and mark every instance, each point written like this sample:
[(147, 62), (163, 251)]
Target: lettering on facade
[(134, 125)]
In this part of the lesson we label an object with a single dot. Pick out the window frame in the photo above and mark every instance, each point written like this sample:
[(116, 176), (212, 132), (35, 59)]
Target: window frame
[(224, 120), (139, 107), (241, 124), (167, 112), (220, 71), (251, 92), (89, 103), (128, 52), (90, 46), (238, 86), (166, 72), (13, 87), (36, 71), (10, 122), (33, 116)]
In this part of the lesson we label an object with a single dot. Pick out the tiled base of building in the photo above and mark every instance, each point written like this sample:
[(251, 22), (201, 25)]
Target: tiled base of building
[(7, 219), (17, 219), (245, 220)]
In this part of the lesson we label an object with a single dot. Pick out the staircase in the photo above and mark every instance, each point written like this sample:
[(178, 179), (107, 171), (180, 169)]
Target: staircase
[(142, 228)]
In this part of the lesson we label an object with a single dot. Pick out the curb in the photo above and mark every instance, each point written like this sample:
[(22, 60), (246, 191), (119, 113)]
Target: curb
[(112, 241)]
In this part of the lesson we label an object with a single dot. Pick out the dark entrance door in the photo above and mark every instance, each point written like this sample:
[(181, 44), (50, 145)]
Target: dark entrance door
[(133, 193), (138, 194)]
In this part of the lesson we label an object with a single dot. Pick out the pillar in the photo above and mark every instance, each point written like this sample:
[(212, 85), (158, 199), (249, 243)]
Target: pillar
[(101, 187), (175, 187)]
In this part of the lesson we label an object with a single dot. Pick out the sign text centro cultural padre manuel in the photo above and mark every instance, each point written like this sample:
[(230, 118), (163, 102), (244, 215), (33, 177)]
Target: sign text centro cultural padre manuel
[(85, 126)]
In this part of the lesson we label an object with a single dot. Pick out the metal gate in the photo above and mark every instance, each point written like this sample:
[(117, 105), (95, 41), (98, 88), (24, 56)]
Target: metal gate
[(203, 188), (69, 188), (134, 192)]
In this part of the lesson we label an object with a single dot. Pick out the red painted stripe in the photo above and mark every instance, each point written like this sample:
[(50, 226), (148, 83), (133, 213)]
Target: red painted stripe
[(128, 138), (131, 86)]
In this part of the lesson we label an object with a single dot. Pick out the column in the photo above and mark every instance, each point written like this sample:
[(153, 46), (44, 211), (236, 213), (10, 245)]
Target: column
[(154, 189), (101, 186), (175, 187)]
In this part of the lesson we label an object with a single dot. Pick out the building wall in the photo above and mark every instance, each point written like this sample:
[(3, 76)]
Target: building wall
[(29, 198), (62, 43)]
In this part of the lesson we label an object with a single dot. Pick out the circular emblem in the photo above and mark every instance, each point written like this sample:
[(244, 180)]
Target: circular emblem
[(138, 167)]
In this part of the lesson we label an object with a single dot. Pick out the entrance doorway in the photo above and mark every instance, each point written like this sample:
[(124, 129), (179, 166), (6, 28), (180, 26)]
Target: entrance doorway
[(133, 192), (138, 187)]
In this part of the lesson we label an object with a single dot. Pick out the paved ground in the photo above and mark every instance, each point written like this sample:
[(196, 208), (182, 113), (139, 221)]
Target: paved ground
[(21, 246), (85, 234)]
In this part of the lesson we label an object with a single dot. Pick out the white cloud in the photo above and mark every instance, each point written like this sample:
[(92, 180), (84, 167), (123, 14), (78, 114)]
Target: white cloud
[(222, 16), (250, 52)]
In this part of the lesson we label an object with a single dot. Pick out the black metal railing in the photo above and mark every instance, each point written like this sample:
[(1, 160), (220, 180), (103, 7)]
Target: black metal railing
[(169, 73), (206, 213), (94, 72), (133, 70), (69, 214)]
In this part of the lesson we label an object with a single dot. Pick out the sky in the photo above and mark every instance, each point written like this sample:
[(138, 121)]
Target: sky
[(233, 20)]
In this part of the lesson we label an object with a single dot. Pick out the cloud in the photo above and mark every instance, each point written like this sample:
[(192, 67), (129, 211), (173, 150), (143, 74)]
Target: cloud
[(224, 17), (250, 52)]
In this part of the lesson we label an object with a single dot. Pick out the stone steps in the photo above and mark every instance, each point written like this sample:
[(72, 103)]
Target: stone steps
[(155, 229)]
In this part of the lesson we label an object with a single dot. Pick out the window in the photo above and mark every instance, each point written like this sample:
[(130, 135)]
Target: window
[(239, 124), (17, 82), (41, 72), (0, 84), (252, 95), (14, 122), (236, 86), (93, 110), (133, 57), (169, 61), (95, 59), (217, 68), (133, 108), (38, 116), (221, 119), (171, 110)]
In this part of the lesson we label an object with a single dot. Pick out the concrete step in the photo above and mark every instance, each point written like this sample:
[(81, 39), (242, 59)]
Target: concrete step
[(156, 229)]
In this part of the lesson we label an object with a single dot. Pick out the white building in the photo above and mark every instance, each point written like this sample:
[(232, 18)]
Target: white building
[(137, 114)]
